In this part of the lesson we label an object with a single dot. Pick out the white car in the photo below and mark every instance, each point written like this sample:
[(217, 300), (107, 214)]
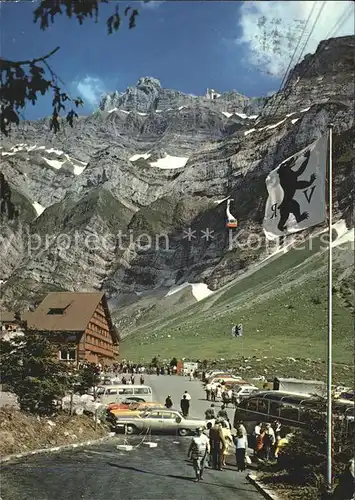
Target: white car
[(160, 420), (242, 391)]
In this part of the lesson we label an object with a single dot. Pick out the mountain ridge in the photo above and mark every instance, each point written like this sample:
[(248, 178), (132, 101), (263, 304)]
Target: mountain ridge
[(191, 160)]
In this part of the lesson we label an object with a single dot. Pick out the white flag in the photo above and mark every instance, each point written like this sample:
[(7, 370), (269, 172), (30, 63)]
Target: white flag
[(297, 192)]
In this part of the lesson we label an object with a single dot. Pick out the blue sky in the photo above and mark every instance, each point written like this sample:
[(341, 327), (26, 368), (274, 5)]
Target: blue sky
[(187, 45)]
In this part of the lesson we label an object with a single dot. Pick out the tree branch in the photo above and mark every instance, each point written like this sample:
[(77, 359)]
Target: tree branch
[(30, 61)]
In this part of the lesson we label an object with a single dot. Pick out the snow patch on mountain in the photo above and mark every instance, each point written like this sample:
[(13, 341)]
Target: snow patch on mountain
[(344, 235), (39, 208), (270, 127), (54, 163), (199, 290), (78, 165), (170, 162), (143, 155), (78, 170), (217, 202), (275, 125), (241, 115), (7, 153), (55, 151)]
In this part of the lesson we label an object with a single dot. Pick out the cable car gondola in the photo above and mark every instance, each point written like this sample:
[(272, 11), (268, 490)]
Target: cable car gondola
[(232, 222)]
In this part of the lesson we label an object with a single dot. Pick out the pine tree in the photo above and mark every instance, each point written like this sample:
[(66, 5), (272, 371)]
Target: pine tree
[(31, 371)]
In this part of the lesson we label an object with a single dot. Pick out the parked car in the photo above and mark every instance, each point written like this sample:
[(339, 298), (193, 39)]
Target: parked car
[(135, 409), (108, 394), (160, 420), (242, 391), (134, 404)]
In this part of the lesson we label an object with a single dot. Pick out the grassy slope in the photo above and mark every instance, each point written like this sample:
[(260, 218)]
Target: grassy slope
[(282, 305)]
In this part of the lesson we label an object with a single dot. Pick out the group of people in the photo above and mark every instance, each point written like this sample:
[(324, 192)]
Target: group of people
[(216, 392), (131, 380), (213, 445), (267, 440), (184, 403)]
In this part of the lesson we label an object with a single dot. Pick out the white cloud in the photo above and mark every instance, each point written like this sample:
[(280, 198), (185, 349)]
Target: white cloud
[(152, 4), (271, 30), (90, 89)]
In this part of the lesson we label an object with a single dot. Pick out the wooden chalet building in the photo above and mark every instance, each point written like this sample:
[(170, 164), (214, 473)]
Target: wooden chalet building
[(80, 323)]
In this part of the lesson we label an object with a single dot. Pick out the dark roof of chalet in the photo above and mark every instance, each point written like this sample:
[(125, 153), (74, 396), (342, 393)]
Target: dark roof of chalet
[(7, 317), (79, 308)]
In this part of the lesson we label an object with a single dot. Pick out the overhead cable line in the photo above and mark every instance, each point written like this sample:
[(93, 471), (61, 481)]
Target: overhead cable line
[(310, 33), (293, 55), (341, 20), (333, 31), (289, 88)]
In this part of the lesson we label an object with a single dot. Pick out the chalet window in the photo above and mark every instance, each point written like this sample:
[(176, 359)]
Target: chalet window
[(68, 354), (56, 310)]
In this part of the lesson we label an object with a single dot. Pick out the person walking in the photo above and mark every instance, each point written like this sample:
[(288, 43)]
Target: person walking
[(198, 451), (241, 428), (223, 412), (227, 441), (185, 406), (208, 391), (260, 443), (256, 433), (241, 445), (213, 392), (187, 395), (168, 402), (209, 413), (269, 442), (207, 433), (217, 444), (141, 380), (345, 489)]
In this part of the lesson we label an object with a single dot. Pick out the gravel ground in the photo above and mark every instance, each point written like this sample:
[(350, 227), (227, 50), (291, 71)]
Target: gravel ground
[(102, 472)]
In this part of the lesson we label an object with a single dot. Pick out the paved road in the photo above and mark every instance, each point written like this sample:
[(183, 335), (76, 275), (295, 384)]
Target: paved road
[(163, 385), (105, 473)]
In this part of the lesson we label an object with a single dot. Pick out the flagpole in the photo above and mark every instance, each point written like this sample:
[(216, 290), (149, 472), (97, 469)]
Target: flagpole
[(330, 316)]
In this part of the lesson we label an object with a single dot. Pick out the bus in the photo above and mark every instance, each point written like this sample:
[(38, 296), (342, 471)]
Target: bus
[(288, 408)]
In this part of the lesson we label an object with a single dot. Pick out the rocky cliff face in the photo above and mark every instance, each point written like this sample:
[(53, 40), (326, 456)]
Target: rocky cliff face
[(148, 96), (109, 204)]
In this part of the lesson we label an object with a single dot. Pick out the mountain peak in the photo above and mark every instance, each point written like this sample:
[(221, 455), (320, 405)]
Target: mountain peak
[(148, 81), (148, 95)]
